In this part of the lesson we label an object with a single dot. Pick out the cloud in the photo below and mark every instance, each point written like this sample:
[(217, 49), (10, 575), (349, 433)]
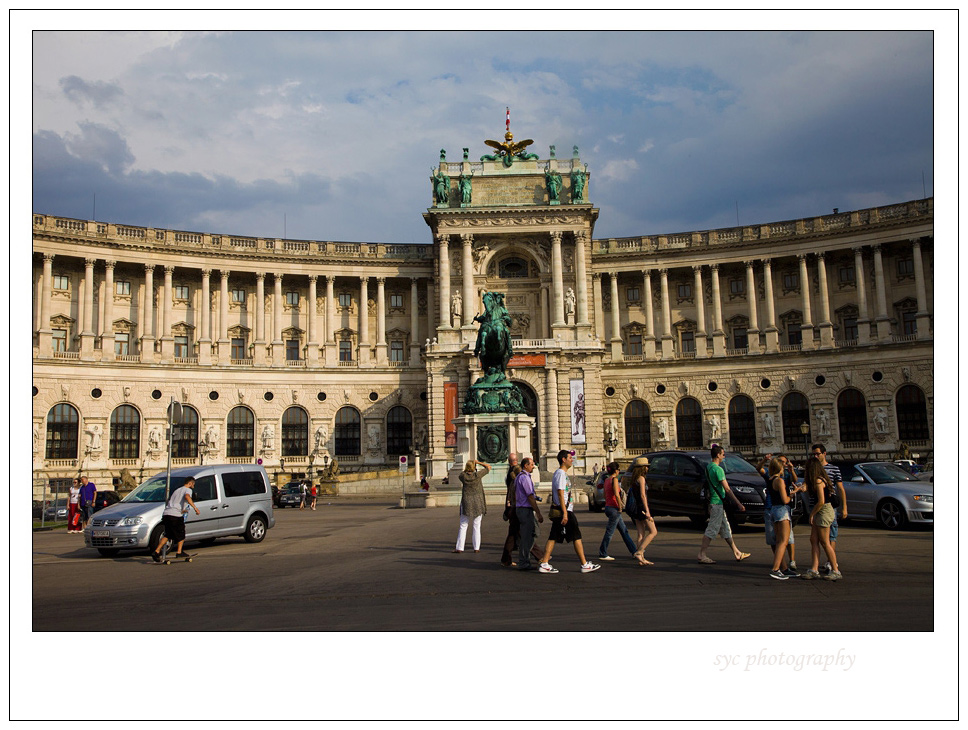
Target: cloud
[(618, 170), (97, 143), (97, 93)]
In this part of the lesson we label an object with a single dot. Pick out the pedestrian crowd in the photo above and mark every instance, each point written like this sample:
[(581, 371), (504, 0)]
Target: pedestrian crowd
[(822, 489)]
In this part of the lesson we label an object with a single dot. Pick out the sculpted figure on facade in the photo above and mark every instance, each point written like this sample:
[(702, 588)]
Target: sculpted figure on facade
[(36, 439), (570, 301), (663, 427), (268, 432), (320, 437), (154, 439), (553, 181), (441, 187), (768, 426), (464, 187), (823, 418), (94, 439), (578, 178), (456, 308), (880, 420), (714, 427)]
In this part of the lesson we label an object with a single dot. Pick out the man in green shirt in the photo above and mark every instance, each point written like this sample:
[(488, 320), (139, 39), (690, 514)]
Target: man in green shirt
[(718, 489)]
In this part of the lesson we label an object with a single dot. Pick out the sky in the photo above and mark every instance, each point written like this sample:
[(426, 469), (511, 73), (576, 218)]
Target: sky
[(332, 135)]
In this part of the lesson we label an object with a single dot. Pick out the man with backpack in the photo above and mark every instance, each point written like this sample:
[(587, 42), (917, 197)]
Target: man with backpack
[(717, 489)]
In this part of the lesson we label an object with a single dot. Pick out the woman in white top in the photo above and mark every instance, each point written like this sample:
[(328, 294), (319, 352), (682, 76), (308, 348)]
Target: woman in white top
[(74, 509)]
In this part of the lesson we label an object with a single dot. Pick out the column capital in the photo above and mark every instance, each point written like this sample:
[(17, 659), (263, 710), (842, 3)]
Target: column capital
[(876, 248), (313, 277), (89, 263), (381, 280), (697, 269), (749, 264), (467, 238), (714, 268), (110, 263), (414, 280), (442, 238), (802, 257), (555, 236), (224, 273), (858, 250), (169, 270), (665, 271), (48, 257), (260, 275), (149, 268), (330, 278), (916, 242), (581, 236), (277, 278), (206, 273), (767, 263), (821, 255), (596, 275), (364, 279)]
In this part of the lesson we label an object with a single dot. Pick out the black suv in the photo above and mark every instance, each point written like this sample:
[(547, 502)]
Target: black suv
[(676, 478)]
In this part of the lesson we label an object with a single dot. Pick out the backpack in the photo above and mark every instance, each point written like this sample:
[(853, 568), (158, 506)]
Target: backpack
[(630, 503)]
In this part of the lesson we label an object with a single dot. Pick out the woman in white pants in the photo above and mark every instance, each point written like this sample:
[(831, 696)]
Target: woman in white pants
[(472, 505)]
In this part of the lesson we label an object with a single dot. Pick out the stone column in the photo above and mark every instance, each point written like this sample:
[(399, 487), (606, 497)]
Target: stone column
[(753, 332), (87, 319), (259, 349), (381, 321), (826, 326), (312, 349), (443, 261), (167, 341), (581, 278), (863, 314), (431, 298), (148, 331), (668, 349), (616, 339), (363, 350), (205, 320), (701, 343), (806, 329), (719, 337), (558, 292), (224, 346), (649, 343), (880, 286), (107, 313), (772, 333), (44, 332), (923, 316), (414, 324), (278, 346), (329, 336), (597, 298), (549, 463), (469, 308)]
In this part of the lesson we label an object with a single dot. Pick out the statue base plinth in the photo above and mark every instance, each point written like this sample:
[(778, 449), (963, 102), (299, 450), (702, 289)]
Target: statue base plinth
[(493, 394), (490, 438)]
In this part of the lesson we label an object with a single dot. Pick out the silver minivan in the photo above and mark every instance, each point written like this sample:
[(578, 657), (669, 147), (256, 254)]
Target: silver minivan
[(233, 499)]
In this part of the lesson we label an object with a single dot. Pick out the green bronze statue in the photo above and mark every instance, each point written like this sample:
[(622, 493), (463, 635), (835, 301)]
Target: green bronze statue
[(441, 183), (493, 392)]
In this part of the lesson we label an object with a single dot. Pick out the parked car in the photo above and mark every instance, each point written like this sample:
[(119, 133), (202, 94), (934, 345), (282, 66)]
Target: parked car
[(676, 479), (908, 464), (596, 492), (290, 497), (105, 499), (233, 499), (56, 511), (886, 492)]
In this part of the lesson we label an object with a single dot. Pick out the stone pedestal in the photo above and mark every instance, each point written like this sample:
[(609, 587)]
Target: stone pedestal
[(489, 438)]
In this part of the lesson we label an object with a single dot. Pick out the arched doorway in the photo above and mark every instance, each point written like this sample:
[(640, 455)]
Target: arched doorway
[(531, 408)]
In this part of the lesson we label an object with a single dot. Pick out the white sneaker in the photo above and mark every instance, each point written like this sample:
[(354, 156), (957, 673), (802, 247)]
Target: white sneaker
[(590, 567), (793, 565), (605, 557), (546, 568)]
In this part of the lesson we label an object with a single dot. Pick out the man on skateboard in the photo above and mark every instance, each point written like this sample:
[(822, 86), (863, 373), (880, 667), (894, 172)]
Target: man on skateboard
[(174, 520)]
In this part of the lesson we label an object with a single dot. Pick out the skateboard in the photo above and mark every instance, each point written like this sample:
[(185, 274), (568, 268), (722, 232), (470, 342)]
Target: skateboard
[(168, 560)]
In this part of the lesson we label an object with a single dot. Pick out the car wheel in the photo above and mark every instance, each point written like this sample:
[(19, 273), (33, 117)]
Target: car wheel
[(155, 537), (891, 515), (108, 552), (255, 531)]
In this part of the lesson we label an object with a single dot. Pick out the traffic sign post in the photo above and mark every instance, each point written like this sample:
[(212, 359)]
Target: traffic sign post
[(403, 468)]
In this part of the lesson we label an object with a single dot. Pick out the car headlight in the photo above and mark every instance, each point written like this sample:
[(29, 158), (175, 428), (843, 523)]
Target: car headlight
[(926, 498), (132, 521), (744, 490)]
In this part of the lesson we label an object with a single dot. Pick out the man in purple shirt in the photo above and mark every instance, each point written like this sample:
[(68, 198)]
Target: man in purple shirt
[(525, 507), (88, 494)]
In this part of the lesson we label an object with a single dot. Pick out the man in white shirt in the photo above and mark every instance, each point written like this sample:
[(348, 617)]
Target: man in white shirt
[(564, 524), (173, 518)]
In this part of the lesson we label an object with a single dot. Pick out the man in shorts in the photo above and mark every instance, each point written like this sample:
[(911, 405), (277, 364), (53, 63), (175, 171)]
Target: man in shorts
[(718, 524), (173, 518), (564, 524), (837, 480)]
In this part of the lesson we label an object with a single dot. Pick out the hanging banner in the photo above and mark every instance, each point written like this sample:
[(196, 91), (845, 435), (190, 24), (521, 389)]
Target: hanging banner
[(577, 411), (450, 413)]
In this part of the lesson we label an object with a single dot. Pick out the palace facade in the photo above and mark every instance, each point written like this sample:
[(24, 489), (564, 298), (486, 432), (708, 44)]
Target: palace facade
[(763, 338)]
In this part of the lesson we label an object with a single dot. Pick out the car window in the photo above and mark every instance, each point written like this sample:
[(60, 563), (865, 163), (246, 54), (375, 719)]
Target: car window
[(683, 466), (242, 484), (153, 490), (204, 489), (660, 465), (885, 473)]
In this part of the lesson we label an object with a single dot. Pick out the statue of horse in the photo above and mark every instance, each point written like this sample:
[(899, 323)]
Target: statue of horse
[(493, 346)]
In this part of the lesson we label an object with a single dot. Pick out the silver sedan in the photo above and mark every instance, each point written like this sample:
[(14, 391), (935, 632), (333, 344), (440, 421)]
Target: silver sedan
[(883, 491)]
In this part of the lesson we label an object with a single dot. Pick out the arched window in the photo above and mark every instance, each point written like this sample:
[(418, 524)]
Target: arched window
[(240, 436), (185, 445), (513, 268), (62, 430), (399, 431), (638, 431), (689, 424), (295, 432), (742, 421), (912, 414), (795, 411), (346, 433), (852, 415), (125, 433)]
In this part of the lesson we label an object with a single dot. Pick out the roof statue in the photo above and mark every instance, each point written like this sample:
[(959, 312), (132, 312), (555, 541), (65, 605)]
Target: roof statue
[(509, 150)]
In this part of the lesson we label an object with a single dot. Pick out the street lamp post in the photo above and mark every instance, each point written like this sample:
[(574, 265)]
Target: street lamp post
[(805, 431), (610, 443)]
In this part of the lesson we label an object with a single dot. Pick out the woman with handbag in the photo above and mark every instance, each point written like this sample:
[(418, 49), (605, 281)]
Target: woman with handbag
[(822, 517), (614, 504), (644, 524), (472, 504)]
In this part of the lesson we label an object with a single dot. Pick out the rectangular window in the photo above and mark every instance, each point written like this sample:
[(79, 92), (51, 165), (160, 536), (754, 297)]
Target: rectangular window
[(737, 286), (635, 345), (791, 280), (396, 351), (794, 334), (345, 300), (238, 296), (292, 298), (292, 349), (740, 338), (238, 348), (59, 340), (688, 341), (632, 294), (120, 343), (396, 301), (905, 267), (181, 346), (123, 288), (850, 328), (909, 323), (345, 351), (243, 484), (846, 274), (59, 281), (684, 290), (181, 291)]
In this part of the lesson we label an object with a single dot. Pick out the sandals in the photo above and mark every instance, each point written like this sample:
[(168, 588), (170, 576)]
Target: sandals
[(742, 557), (706, 561)]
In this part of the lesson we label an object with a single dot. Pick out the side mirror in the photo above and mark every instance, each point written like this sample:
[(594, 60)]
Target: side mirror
[(858, 478)]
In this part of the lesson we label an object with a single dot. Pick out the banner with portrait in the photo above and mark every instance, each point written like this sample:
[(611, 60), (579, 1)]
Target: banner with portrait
[(577, 411)]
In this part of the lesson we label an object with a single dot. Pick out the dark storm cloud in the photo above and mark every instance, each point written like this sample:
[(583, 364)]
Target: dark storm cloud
[(98, 93)]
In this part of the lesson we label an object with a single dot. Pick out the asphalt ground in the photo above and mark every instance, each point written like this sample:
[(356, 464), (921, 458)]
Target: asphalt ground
[(373, 567)]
